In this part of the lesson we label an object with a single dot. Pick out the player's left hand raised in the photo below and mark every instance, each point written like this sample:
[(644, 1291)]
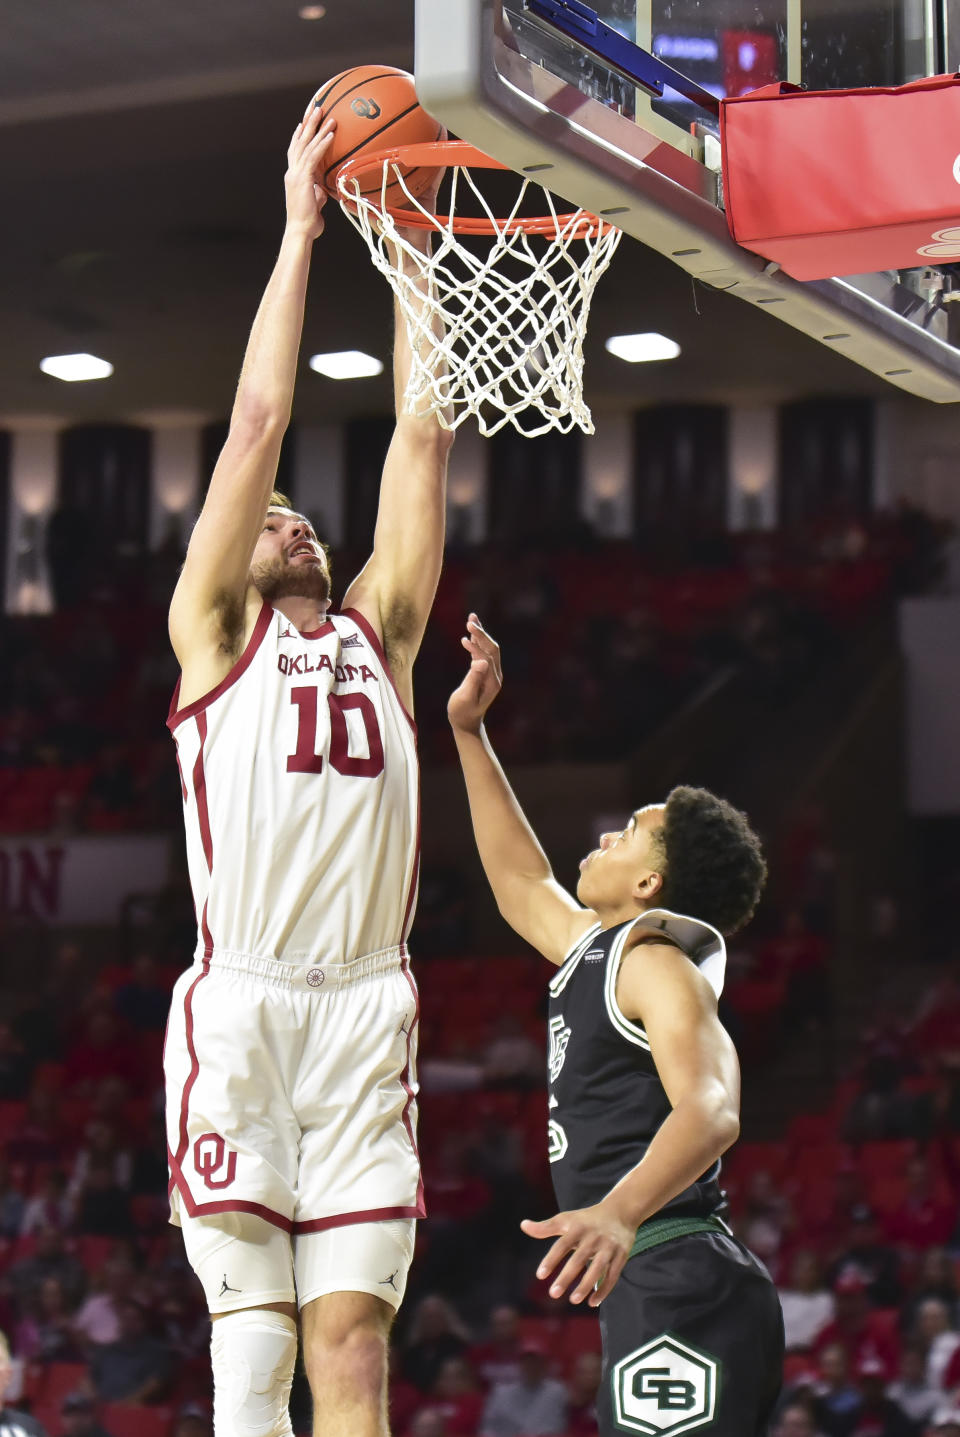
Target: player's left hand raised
[(484, 679), (596, 1244)]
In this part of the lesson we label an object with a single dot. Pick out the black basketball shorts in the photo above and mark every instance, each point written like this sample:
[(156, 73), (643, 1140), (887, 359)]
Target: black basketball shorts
[(692, 1342)]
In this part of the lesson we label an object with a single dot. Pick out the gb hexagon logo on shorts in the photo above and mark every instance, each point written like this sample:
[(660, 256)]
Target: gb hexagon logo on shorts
[(664, 1388)]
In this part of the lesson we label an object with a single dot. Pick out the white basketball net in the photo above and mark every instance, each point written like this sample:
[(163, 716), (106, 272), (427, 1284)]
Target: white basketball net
[(496, 329)]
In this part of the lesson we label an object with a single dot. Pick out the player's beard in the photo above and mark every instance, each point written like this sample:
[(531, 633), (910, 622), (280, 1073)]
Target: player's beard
[(279, 579)]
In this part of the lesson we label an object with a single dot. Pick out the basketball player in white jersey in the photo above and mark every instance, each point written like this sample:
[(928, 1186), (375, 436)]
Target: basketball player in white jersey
[(291, 1043)]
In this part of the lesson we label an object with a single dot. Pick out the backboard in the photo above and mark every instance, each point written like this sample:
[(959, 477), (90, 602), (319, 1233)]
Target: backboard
[(503, 77)]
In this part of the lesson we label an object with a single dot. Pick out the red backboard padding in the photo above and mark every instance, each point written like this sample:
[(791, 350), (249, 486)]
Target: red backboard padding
[(843, 182)]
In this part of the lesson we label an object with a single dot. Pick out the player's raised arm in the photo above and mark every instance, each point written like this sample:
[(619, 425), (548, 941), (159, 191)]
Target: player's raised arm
[(207, 615), (517, 869), (396, 588)]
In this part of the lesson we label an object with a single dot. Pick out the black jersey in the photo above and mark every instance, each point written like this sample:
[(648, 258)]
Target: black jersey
[(606, 1097)]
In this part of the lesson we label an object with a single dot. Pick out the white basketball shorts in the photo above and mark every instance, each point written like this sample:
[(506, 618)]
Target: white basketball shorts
[(291, 1093)]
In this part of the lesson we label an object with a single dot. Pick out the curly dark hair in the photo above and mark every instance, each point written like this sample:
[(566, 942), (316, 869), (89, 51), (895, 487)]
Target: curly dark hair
[(714, 867)]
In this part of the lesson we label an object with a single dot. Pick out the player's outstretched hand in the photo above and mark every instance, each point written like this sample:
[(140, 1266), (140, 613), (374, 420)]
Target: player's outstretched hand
[(483, 682), (596, 1244), (307, 151)]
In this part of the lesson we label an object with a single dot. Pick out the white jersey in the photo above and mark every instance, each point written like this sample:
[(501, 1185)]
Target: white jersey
[(300, 790)]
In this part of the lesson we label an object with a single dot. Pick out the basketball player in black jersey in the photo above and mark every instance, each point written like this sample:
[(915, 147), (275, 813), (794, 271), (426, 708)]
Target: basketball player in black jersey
[(644, 1089)]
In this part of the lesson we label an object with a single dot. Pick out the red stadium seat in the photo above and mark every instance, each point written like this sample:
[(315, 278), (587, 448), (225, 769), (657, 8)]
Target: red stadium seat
[(883, 1159), (12, 1114), (49, 1417), (56, 1379), (578, 1334), (807, 1129), (797, 1365), (93, 1252), (123, 1419)]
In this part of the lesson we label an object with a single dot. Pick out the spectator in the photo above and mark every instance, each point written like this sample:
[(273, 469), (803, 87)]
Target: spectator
[(796, 1420), (46, 1333), (103, 1207), (456, 1393), (935, 1277), (923, 1219), (498, 1359), (836, 1401), (49, 1260), (858, 1330), (50, 1207), (866, 1252), (135, 1368), (766, 1218), (78, 1416), (144, 1001), (193, 1420), (15, 1066), (181, 1313), (512, 1059), (800, 956), (103, 1051), (808, 1305), (11, 1203), (940, 1341), (428, 1422), (98, 1319), (41, 1137), (582, 1390), (878, 1415), (534, 1406), (911, 1391), (945, 1422), (436, 1333), (403, 1399), (12, 1423)]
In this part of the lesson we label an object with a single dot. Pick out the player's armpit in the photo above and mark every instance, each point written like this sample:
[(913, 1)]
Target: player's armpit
[(544, 914), (208, 604), (396, 588)]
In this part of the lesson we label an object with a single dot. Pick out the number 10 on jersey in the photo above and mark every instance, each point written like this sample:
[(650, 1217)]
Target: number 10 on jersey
[(305, 758)]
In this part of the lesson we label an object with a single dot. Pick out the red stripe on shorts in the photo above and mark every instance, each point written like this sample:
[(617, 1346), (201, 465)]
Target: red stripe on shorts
[(407, 1086)]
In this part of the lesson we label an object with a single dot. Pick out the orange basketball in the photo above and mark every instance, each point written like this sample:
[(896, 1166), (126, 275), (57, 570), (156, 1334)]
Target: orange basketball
[(376, 108)]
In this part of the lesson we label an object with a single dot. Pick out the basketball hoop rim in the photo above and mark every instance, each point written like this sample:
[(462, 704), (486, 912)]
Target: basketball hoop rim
[(445, 154)]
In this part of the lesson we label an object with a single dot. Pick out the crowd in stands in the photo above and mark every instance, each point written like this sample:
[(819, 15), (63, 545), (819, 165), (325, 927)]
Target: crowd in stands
[(854, 1210), (85, 693)]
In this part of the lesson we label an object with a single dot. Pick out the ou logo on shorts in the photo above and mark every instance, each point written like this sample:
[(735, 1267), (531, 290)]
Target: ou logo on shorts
[(664, 1387), (208, 1154)]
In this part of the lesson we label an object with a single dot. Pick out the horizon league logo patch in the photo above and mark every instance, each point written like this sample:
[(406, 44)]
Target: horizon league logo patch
[(664, 1388)]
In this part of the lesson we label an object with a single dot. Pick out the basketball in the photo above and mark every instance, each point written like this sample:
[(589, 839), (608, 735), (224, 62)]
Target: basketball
[(376, 107)]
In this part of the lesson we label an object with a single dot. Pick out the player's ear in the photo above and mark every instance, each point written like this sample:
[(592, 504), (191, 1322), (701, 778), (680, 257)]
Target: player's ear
[(647, 885)]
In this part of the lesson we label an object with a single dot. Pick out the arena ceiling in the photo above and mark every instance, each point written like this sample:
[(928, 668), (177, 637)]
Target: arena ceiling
[(141, 159)]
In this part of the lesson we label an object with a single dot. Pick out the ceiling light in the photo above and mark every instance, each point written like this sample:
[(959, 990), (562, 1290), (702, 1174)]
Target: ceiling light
[(312, 12), (346, 364), (641, 348), (74, 367)]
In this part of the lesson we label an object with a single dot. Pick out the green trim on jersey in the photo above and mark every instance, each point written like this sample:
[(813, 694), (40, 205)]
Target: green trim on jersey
[(664, 1229)]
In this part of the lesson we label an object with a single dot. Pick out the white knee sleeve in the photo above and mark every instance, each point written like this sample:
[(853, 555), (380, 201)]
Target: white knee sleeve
[(253, 1353)]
